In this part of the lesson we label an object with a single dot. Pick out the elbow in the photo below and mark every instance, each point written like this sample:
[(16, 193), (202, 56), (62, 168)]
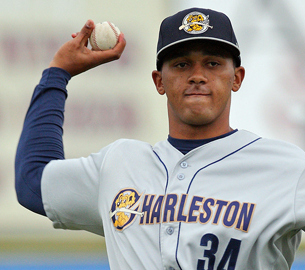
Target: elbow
[(31, 202), (28, 189)]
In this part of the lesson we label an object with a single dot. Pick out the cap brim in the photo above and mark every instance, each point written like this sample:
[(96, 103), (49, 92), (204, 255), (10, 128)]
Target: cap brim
[(230, 46)]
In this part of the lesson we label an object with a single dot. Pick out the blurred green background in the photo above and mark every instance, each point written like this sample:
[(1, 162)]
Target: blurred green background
[(270, 103)]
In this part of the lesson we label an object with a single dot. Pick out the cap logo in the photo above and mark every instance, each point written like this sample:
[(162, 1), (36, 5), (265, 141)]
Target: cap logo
[(195, 23)]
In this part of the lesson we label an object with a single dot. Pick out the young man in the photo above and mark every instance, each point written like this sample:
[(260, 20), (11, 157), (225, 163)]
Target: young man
[(208, 197)]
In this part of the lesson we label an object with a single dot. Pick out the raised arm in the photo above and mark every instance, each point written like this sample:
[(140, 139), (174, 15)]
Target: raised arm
[(41, 137)]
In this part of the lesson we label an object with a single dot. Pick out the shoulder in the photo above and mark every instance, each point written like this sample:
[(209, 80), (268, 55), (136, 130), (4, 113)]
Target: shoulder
[(281, 146), (122, 148), (119, 148), (128, 145), (277, 149)]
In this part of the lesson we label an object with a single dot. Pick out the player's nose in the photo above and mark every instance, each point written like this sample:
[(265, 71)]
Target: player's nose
[(197, 74)]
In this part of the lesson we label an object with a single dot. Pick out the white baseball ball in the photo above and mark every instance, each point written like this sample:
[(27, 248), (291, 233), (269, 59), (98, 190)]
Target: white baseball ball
[(104, 36)]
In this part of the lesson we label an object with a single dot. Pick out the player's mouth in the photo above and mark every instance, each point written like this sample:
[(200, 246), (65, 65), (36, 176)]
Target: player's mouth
[(197, 91), (197, 94)]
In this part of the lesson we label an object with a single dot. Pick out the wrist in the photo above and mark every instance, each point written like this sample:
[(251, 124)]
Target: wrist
[(55, 77)]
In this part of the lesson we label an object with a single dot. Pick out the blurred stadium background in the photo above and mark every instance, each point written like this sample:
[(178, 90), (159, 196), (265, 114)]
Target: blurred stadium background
[(119, 99)]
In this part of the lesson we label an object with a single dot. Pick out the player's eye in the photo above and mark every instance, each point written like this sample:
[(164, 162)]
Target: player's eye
[(213, 64), (181, 65)]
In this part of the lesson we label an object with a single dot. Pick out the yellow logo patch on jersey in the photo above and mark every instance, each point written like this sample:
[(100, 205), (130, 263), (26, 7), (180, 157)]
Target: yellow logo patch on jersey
[(195, 23), (124, 208)]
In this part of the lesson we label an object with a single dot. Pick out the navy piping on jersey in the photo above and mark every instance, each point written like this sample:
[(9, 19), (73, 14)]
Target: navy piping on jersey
[(212, 163), (164, 193)]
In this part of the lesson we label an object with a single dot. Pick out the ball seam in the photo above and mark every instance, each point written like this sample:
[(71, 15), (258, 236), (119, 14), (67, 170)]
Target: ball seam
[(114, 30), (94, 39)]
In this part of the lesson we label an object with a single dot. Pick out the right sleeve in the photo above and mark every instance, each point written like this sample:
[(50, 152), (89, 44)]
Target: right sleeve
[(70, 192), (41, 137)]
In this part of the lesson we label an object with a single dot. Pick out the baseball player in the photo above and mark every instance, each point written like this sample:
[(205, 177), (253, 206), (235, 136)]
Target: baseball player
[(208, 197)]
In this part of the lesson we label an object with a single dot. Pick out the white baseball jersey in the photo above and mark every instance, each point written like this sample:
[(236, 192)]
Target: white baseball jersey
[(234, 203)]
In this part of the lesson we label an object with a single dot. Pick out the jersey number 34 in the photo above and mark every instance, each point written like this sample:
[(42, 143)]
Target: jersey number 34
[(228, 259)]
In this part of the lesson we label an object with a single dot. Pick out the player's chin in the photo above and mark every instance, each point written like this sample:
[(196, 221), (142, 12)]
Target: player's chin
[(200, 114), (198, 119)]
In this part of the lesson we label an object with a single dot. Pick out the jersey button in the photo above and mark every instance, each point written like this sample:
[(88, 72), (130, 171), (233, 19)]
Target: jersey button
[(183, 165), (171, 268), (180, 176), (170, 230)]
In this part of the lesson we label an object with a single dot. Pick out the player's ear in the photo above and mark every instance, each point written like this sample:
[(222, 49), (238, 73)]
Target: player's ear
[(157, 78), (238, 78)]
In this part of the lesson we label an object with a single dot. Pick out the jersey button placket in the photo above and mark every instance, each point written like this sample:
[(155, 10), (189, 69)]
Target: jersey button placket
[(180, 176), (169, 227), (168, 237), (183, 165), (170, 230)]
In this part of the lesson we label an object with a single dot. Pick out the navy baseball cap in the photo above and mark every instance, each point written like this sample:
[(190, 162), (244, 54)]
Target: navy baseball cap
[(196, 24)]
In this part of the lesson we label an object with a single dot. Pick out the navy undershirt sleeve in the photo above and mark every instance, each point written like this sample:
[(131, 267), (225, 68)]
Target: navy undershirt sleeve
[(41, 137)]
